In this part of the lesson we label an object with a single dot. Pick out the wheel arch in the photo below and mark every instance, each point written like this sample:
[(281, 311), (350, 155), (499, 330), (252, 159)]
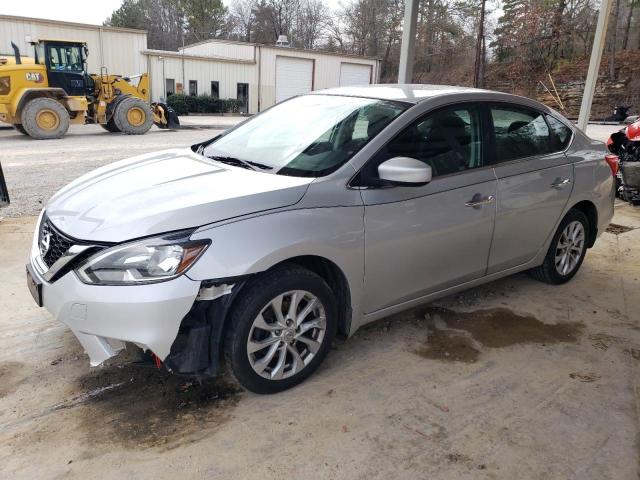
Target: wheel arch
[(589, 209), (336, 280), (32, 93), (331, 273)]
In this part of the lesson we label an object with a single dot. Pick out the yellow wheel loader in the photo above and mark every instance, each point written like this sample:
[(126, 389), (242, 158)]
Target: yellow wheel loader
[(41, 96)]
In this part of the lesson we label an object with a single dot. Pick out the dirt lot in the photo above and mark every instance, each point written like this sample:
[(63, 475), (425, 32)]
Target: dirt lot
[(515, 379)]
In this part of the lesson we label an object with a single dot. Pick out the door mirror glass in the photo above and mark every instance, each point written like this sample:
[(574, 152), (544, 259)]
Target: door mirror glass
[(405, 171)]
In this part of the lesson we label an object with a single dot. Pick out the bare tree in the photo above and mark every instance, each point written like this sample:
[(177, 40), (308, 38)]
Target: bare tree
[(243, 19)]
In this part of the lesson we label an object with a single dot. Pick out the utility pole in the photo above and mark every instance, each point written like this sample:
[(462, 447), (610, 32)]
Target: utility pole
[(594, 63), (478, 71), (407, 48)]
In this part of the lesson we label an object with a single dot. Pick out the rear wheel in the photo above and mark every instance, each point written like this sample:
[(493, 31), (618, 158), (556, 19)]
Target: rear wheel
[(567, 250), (133, 116), (45, 118), (110, 126), (281, 329), (20, 128)]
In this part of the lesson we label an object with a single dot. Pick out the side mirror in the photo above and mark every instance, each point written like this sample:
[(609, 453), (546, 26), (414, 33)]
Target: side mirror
[(405, 171)]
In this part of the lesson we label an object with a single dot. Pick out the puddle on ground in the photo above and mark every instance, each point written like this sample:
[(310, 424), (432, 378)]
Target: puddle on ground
[(457, 336), (443, 345), (146, 407), (618, 229)]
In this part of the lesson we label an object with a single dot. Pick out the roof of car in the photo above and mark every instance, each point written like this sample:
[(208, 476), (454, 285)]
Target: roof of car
[(400, 92)]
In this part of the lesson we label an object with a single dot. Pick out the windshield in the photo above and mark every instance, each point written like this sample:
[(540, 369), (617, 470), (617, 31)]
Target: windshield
[(308, 136)]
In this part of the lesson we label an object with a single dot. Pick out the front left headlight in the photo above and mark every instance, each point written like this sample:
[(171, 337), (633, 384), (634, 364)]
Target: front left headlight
[(151, 260)]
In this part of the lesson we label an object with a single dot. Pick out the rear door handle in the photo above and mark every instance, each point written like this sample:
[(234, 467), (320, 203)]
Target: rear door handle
[(478, 201), (559, 183)]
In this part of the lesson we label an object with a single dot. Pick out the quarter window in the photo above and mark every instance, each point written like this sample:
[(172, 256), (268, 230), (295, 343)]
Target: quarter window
[(520, 133), (560, 134), (448, 140)]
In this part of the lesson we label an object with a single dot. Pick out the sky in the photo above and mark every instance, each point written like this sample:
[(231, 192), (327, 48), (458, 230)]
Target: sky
[(80, 11)]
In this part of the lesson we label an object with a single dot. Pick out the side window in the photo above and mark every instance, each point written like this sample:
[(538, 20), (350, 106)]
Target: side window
[(560, 134), (520, 133), (448, 140)]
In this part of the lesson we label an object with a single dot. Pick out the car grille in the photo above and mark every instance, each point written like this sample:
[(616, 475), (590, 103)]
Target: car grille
[(57, 243)]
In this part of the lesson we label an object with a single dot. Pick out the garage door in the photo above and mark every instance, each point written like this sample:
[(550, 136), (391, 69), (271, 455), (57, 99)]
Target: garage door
[(294, 76), (353, 74)]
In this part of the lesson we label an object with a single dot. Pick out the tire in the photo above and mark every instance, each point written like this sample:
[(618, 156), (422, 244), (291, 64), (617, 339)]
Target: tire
[(45, 118), (549, 271), (110, 126), (256, 299), (20, 128), (133, 116)]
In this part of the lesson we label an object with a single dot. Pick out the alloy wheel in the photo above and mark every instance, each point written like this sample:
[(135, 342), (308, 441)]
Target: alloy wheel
[(570, 248), (286, 335)]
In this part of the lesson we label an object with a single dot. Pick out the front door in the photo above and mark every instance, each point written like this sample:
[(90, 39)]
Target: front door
[(65, 68), (243, 97), (419, 240), (535, 179)]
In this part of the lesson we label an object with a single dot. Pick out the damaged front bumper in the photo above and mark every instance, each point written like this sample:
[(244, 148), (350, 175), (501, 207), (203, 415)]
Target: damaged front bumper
[(103, 318)]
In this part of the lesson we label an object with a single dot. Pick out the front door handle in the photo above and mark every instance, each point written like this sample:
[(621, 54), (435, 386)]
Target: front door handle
[(559, 183), (478, 201)]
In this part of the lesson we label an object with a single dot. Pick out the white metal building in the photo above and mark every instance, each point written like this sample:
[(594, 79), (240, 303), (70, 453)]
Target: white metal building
[(265, 73), (260, 75), (118, 49)]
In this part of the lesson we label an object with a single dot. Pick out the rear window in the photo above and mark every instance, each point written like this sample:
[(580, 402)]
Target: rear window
[(519, 133)]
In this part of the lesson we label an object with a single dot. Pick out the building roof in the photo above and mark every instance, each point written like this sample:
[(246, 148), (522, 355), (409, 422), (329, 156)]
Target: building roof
[(86, 26), (186, 56), (267, 45)]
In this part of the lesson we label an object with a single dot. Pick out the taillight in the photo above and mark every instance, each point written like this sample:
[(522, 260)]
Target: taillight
[(613, 162)]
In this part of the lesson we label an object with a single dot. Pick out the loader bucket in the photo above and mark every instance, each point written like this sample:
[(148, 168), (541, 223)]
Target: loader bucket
[(164, 116)]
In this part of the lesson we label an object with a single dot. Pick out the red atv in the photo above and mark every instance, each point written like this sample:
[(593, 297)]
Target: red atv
[(625, 148)]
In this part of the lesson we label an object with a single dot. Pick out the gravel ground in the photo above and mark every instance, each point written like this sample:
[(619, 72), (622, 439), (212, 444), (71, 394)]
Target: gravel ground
[(35, 170), (512, 380)]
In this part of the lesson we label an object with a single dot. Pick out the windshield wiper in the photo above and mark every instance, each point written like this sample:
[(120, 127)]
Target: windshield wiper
[(240, 163)]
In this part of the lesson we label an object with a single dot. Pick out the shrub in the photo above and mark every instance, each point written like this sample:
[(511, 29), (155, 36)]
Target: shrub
[(178, 103), (184, 104)]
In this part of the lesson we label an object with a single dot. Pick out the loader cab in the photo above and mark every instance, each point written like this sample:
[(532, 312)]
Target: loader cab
[(65, 63)]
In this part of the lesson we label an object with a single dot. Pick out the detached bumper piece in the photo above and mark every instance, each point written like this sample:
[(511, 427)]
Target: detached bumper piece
[(197, 349)]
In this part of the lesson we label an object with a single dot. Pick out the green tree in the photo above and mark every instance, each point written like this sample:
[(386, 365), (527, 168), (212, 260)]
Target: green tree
[(204, 18)]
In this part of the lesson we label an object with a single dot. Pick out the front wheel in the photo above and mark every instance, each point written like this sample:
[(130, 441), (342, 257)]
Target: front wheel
[(567, 250), (45, 118), (133, 116), (281, 329)]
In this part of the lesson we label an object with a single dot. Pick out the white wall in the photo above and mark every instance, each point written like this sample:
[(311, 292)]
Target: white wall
[(227, 74), (120, 49)]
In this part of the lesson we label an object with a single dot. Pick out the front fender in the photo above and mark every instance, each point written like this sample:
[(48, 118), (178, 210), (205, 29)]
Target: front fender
[(258, 243)]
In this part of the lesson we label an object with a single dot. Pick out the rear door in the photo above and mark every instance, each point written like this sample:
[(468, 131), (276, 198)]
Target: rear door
[(535, 179)]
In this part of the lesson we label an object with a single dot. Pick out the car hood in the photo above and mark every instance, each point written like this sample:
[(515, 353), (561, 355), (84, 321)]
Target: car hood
[(165, 191)]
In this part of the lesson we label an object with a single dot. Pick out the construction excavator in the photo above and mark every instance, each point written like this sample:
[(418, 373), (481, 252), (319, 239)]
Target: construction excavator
[(41, 95)]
